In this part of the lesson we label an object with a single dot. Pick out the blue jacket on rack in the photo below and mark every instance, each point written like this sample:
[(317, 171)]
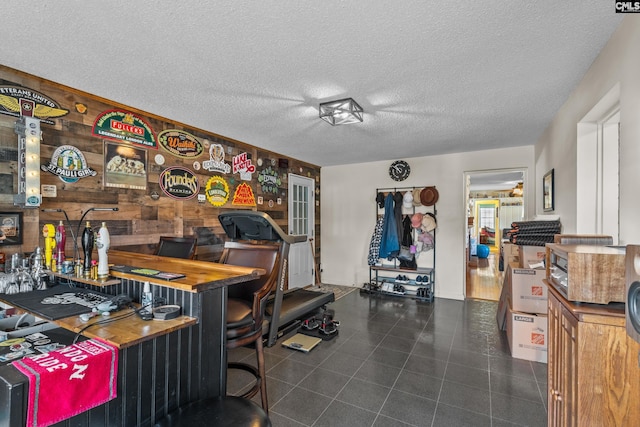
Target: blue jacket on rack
[(390, 242)]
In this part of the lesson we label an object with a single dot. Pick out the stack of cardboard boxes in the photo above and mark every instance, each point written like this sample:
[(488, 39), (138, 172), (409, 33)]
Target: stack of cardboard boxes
[(522, 310)]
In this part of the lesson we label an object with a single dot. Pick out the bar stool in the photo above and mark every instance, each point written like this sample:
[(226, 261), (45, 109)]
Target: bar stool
[(177, 247), (246, 305), (227, 411)]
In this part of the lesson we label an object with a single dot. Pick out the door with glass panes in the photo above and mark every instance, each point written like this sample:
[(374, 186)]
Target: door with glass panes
[(301, 221)]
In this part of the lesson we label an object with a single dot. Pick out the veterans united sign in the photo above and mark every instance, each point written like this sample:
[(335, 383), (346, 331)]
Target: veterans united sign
[(19, 101)]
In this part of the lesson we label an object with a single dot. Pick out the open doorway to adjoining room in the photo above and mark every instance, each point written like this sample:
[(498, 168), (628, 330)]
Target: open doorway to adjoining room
[(493, 200)]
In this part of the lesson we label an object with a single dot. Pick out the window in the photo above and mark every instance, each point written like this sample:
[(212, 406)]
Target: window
[(487, 217), (597, 185)]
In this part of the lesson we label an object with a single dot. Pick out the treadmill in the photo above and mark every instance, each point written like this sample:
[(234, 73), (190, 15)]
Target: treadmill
[(285, 309)]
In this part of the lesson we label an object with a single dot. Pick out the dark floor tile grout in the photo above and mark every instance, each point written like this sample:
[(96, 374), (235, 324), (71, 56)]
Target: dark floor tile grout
[(459, 324), (490, 393), (362, 364), (400, 372)]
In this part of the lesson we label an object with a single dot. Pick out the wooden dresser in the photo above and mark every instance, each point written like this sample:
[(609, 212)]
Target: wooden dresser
[(593, 366)]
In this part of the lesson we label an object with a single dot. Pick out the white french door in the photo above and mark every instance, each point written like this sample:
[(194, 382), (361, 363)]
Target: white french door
[(301, 221)]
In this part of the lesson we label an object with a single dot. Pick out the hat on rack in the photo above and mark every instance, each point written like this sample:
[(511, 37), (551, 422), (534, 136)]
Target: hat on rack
[(416, 220), (380, 200), (416, 197), (425, 240), (407, 200), (429, 196), (429, 222)]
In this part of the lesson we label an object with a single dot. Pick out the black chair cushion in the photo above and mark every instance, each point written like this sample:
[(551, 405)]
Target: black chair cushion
[(220, 412), (238, 313)]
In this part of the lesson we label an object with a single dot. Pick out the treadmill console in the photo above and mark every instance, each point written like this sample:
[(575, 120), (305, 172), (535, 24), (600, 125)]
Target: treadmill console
[(252, 225)]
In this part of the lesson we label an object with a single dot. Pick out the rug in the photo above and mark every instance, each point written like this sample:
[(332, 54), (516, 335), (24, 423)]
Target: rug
[(338, 290)]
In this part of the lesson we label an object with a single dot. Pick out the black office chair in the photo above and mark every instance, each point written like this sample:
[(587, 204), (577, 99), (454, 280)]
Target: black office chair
[(246, 306), (177, 247)]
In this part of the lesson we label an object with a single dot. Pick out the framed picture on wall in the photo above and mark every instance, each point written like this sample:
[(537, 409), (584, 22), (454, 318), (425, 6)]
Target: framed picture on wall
[(547, 191), (125, 166), (10, 228)]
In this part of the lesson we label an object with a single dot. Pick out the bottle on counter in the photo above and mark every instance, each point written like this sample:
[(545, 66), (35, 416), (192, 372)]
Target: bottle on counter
[(49, 234), (61, 240), (103, 241), (88, 240), (147, 298)]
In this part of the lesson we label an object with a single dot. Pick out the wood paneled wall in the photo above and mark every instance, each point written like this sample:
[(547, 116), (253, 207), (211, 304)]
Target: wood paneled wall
[(140, 220)]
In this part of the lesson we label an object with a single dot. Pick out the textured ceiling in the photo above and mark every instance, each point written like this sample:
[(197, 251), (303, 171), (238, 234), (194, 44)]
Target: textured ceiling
[(433, 77)]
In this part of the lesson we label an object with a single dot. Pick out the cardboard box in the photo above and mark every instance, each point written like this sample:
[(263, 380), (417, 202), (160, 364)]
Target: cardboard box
[(527, 335), (510, 253), (531, 255), (528, 293), (509, 249)]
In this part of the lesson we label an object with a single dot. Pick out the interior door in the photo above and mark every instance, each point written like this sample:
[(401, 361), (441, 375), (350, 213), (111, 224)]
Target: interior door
[(488, 227), (301, 221)]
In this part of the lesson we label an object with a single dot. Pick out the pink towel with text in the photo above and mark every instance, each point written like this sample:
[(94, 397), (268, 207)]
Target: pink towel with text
[(66, 382)]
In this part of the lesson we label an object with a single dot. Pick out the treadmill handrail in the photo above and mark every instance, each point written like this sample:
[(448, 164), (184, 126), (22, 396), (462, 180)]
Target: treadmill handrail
[(232, 217)]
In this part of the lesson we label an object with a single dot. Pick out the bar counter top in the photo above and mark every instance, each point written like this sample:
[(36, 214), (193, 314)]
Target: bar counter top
[(200, 275), (126, 331), (130, 330)]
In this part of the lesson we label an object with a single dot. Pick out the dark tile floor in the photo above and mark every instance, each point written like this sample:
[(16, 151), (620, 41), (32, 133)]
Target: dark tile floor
[(399, 362)]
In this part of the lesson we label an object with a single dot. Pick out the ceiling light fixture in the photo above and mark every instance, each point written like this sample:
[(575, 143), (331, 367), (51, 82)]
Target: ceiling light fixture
[(341, 112)]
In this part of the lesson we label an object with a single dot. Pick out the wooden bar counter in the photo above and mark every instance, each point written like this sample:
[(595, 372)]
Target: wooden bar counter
[(162, 364)]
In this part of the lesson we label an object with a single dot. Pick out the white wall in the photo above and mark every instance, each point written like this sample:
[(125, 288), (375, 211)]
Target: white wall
[(348, 205), (618, 62), (348, 211)]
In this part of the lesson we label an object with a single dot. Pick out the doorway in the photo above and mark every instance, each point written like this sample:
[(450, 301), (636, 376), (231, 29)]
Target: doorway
[(598, 161), (301, 221), (488, 223), (493, 200)]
